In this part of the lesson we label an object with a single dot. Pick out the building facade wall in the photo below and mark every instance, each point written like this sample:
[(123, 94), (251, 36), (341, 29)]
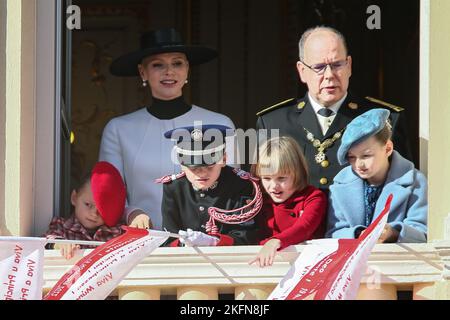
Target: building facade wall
[(18, 117), (3, 230), (439, 115)]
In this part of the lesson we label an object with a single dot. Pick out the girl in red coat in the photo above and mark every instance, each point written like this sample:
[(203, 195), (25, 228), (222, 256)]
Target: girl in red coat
[(293, 210)]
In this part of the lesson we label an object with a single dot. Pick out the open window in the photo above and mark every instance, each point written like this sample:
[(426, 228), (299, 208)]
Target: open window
[(257, 43)]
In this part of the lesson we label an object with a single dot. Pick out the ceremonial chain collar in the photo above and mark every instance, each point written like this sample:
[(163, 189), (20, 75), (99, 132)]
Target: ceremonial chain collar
[(321, 147)]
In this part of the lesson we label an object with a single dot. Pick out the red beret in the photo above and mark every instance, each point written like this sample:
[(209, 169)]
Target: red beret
[(109, 192)]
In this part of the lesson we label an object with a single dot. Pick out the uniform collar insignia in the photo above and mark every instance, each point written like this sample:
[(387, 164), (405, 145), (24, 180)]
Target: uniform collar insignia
[(353, 105)]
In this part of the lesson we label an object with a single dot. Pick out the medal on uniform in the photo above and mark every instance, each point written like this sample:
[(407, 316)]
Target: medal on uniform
[(320, 157), (321, 147)]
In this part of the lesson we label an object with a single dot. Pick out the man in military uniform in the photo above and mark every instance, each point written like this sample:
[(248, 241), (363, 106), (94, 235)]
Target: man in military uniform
[(209, 203), (318, 120)]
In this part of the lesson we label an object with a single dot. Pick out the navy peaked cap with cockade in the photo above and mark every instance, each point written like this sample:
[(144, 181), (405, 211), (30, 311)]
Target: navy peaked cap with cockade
[(199, 145)]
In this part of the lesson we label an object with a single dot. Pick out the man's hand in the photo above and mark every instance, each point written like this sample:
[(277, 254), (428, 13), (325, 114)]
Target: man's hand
[(139, 219), (196, 238), (267, 253)]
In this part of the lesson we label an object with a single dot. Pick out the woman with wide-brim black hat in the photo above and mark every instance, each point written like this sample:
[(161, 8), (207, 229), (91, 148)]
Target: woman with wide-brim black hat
[(134, 143)]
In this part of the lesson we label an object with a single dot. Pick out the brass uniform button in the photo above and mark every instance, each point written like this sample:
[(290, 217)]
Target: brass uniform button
[(325, 164), (323, 181)]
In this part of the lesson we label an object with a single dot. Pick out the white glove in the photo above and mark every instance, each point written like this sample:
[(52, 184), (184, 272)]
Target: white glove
[(197, 238)]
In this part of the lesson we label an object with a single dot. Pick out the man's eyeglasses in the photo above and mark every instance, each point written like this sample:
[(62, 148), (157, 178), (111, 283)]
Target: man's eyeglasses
[(320, 68)]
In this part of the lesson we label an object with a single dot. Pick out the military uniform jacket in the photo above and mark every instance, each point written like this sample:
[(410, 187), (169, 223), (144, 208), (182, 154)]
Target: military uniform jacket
[(184, 207), (293, 116)]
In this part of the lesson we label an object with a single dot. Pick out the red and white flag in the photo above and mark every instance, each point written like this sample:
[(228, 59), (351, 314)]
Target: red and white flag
[(331, 270), (21, 268), (95, 276)]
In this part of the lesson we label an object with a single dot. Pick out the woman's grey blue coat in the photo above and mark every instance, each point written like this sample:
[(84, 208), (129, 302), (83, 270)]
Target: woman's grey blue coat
[(409, 207)]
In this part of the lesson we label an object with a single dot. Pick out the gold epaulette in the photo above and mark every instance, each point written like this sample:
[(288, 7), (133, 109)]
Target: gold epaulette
[(276, 106), (389, 105)]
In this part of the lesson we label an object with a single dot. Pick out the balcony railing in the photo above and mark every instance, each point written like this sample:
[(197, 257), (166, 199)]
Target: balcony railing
[(210, 272)]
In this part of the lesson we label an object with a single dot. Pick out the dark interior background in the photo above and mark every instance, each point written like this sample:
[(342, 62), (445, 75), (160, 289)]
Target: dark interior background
[(258, 50)]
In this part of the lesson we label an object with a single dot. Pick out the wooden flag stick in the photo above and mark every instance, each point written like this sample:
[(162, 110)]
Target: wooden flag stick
[(83, 242), (152, 232), (160, 233)]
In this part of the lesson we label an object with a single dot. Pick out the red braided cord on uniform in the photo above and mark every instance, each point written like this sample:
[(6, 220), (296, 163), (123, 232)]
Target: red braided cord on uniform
[(224, 216), (170, 178)]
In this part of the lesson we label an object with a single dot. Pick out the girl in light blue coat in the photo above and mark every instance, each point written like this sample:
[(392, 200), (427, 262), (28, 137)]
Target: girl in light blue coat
[(359, 191)]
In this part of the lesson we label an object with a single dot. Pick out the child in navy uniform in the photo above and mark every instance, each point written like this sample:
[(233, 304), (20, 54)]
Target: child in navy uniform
[(376, 170), (209, 203)]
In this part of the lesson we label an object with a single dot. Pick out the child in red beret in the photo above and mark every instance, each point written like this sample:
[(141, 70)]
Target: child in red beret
[(98, 204)]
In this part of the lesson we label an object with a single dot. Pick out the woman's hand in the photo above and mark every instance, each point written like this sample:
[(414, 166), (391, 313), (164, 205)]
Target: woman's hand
[(67, 250), (139, 219), (267, 253)]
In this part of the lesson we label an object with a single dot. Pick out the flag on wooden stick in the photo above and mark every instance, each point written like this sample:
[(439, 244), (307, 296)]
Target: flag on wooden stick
[(95, 276), (332, 269)]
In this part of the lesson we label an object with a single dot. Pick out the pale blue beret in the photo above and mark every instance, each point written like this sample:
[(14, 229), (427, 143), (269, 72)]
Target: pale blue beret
[(361, 128)]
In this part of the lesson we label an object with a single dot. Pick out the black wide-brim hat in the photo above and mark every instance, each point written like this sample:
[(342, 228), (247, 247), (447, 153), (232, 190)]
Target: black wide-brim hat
[(159, 41)]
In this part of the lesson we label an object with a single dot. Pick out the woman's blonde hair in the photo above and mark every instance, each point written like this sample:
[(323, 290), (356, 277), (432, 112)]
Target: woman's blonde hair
[(282, 155)]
